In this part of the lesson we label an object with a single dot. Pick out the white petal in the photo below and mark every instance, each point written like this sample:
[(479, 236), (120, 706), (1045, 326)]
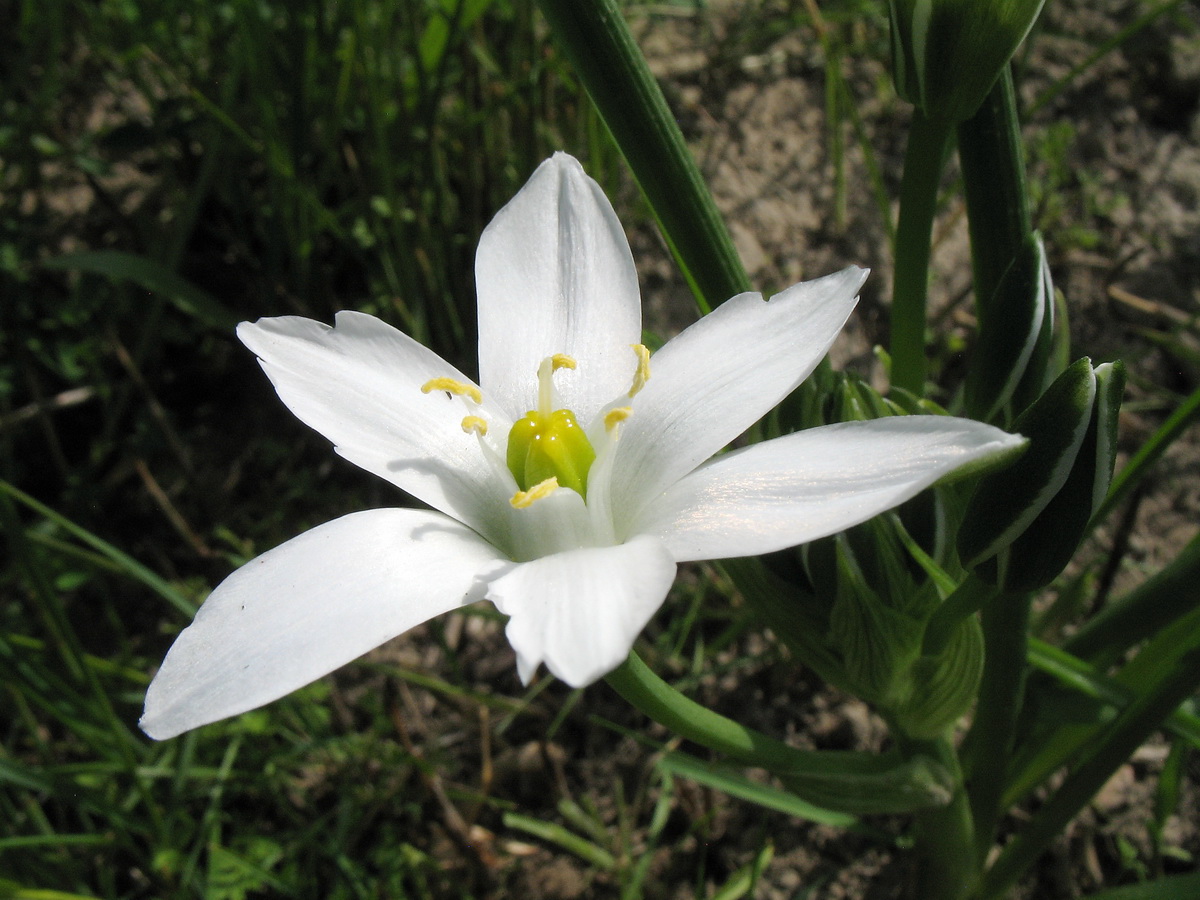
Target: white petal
[(310, 606), (813, 483), (554, 274), (359, 384), (580, 611), (718, 377), (560, 521)]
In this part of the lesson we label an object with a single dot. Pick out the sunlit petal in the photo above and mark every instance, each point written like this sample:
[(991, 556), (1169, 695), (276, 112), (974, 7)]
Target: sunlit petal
[(813, 483), (311, 605), (579, 611), (721, 375), (554, 275), (359, 384)]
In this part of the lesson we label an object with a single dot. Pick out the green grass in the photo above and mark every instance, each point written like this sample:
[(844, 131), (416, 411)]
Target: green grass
[(220, 162)]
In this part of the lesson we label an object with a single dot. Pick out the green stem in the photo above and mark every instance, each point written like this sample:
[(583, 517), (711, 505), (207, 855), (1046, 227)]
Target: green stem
[(635, 682), (947, 864), (989, 743), (838, 780), (993, 169), (598, 43), (928, 141)]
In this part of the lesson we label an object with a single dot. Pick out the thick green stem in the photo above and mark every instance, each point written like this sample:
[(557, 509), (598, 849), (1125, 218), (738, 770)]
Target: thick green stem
[(989, 743), (835, 779), (923, 162), (947, 863), (993, 170), (598, 43)]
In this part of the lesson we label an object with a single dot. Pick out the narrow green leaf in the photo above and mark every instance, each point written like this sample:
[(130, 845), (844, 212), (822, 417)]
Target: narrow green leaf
[(845, 781), (124, 561), (561, 837), (1143, 612), (153, 276), (1068, 733), (744, 879), (11, 890), (1164, 674), (737, 785), (1171, 887)]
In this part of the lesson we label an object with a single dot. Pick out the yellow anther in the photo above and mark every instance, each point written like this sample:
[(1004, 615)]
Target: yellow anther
[(642, 375), (614, 417), (562, 361), (474, 424), (525, 499), (460, 388)]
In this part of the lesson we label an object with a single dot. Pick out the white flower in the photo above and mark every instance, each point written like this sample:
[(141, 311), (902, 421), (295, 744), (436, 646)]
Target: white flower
[(595, 417)]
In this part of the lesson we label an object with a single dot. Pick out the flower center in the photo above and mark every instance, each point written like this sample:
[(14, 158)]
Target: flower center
[(547, 448), (547, 443)]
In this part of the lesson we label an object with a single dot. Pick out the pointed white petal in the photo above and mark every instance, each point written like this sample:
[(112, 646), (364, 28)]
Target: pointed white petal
[(813, 483), (580, 611), (311, 605), (554, 274), (718, 377), (359, 384)]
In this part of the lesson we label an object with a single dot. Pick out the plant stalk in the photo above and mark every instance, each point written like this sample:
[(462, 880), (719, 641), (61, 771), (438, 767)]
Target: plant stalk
[(988, 746), (993, 171), (924, 158), (839, 780), (947, 864)]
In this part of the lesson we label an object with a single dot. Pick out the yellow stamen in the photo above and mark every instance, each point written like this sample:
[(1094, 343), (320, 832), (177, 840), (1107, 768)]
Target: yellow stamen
[(460, 388), (642, 375), (474, 424), (614, 417), (562, 361), (525, 499)]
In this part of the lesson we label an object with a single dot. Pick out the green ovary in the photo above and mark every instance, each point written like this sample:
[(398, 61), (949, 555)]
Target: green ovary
[(550, 446)]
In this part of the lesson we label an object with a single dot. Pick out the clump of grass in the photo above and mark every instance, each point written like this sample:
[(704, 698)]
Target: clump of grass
[(169, 169)]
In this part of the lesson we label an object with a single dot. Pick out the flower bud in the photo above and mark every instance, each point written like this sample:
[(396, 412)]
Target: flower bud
[(1023, 524), (946, 54), (1016, 334)]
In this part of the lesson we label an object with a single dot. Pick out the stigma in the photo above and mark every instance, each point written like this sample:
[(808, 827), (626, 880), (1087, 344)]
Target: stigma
[(548, 443)]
